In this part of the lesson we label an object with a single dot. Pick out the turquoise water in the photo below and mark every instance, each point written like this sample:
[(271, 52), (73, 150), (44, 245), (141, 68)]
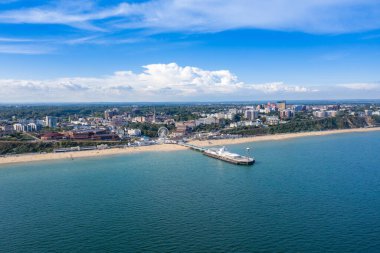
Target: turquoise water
[(315, 194)]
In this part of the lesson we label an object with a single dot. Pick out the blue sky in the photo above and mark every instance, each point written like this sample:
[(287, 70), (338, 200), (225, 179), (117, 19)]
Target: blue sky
[(188, 50)]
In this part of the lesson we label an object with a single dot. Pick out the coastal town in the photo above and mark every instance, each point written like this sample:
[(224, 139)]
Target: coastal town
[(89, 127), (189, 126)]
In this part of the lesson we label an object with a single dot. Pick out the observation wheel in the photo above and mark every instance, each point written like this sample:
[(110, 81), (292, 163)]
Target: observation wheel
[(163, 133)]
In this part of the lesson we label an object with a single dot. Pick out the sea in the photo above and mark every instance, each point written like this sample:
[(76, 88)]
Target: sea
[(311, 194)]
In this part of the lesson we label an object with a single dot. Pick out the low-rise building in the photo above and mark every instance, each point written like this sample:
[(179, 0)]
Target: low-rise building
[(117, 121), (140, 119), (134, 132), (331, 113), (206, 121), (6, 129), (184, 127), (272, 120), (91, 134), (320, 114), (230, 115), (233, 111), (245, 123), (52, 136)]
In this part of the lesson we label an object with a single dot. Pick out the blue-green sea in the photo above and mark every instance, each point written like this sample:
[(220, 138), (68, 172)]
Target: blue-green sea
[(312, 194)]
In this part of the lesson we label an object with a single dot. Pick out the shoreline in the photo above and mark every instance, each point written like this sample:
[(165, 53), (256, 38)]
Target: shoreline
[(279, 137), (25, 158), (36, 157)]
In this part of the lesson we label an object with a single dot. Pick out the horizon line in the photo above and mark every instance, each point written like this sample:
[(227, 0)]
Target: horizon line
[(193, 102)]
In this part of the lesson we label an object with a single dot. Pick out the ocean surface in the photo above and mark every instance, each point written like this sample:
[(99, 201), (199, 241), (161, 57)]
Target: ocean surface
[(313, 194)]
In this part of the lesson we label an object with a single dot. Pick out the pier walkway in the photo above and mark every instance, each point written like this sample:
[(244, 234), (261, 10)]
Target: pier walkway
[(221, 154), (193, 147)]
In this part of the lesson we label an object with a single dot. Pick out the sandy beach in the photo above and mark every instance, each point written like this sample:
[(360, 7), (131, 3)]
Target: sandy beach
[(83, 154), (279, 137), (167, 147)]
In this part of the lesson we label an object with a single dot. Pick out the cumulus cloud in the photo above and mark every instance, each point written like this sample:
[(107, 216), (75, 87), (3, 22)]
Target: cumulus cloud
[(157, 82)]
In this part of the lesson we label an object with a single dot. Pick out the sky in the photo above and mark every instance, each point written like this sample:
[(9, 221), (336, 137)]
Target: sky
[(188, 50)]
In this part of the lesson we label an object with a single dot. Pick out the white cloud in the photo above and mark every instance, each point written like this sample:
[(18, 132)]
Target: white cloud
[(102, 24), (28, 49), (31, 46), (315, 16), (6, 39), (158, 82), (71, 13), (361, 86), (281, 87)]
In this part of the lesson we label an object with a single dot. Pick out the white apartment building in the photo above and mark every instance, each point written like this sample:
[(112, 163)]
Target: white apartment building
[(134, 132), (251, 114)]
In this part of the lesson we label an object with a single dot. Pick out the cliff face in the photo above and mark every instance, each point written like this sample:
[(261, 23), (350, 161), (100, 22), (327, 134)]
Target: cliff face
[(294, 126)]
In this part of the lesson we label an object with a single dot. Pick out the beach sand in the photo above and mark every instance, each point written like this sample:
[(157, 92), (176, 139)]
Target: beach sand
[(279, 137), (90, 153), (167, 147)]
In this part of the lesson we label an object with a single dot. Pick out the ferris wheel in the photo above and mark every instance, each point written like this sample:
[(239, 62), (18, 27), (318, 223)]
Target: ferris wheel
[(163, 133)]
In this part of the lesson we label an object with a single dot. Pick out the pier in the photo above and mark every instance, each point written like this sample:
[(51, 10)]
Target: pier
[(193, 147), (221, 154)]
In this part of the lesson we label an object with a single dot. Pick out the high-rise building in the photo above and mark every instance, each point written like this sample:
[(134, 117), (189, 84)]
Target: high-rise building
[(251, 114), (51, 121), (281, 105), (18, 127), (299, 108), (32, 127), (287, 114), (108, 114), (368, 112)]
